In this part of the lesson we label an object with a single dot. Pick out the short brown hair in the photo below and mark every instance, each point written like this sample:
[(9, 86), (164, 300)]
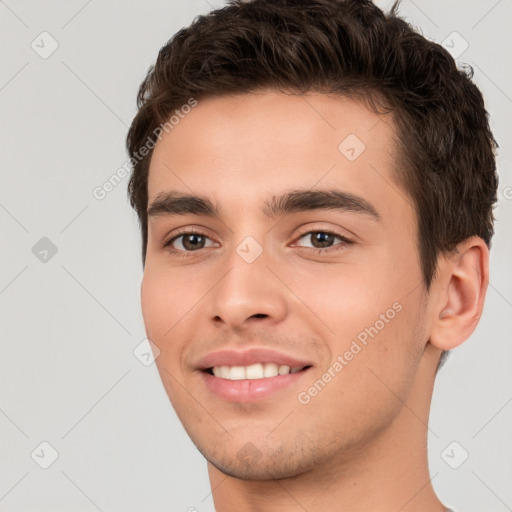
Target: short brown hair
[(350, 48)]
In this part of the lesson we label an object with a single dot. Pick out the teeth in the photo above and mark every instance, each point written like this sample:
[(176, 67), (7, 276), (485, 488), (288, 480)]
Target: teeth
[(254, 371), (237, 373), (283, 369), (270, 370)]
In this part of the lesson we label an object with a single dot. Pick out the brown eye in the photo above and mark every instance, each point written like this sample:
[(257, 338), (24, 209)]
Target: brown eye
[(192, 241), (321, 239), (324, 239), (187, 241)]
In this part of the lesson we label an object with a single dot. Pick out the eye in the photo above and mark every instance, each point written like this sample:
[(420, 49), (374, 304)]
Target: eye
[(190, 241), (324, 239)]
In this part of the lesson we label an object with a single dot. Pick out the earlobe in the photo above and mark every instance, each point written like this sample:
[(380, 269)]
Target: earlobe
[(461, 287)]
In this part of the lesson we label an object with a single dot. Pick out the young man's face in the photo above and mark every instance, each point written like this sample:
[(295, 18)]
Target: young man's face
[(282, 283)]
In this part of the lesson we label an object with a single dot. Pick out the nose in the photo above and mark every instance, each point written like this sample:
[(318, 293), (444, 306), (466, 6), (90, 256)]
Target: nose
[(247, 293)]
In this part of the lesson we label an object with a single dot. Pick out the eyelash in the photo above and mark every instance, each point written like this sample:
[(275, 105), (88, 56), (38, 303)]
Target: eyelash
[(191, 231)]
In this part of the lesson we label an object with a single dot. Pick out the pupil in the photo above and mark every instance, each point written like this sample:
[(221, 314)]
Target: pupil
[(322, 238), (189, 240)]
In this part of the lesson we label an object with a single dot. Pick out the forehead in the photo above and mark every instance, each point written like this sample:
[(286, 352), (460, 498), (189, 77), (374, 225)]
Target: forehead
[(243, 148)]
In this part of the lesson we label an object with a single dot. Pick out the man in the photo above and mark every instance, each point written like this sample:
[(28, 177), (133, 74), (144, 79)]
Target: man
[(315, 184)]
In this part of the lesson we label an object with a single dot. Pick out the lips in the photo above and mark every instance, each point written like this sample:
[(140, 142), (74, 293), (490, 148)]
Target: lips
[(243, 388)]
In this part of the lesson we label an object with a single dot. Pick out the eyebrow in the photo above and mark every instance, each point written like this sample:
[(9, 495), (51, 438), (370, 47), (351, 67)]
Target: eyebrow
[(176, 203)]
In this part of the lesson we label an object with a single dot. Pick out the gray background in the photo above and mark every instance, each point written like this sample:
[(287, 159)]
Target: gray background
[(71, 320)]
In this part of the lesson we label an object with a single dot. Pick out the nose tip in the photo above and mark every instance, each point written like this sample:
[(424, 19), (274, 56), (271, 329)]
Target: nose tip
[(248, 294)]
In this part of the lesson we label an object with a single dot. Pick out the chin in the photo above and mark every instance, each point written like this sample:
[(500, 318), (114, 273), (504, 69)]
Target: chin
[(255, 465), (268, 470)]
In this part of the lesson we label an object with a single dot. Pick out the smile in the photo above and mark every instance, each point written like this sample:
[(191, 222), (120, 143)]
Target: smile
[(252, 383), (254, 371)]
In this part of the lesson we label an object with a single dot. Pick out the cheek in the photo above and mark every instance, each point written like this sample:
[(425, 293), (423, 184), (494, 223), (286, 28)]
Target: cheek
[(346, 298), (371, 372), (166, 298), (369, 313), (154, 305), (165, 302)]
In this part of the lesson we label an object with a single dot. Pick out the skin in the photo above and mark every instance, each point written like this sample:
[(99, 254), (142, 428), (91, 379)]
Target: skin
[(361, 442)]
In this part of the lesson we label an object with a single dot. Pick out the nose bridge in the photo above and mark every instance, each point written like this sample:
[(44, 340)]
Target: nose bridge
[(247, 288)]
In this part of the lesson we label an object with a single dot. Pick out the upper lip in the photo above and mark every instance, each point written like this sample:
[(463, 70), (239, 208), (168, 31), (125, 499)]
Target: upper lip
[(247, 357)]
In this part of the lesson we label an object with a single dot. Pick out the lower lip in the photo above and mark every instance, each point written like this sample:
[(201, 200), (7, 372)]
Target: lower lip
[(250, 390)]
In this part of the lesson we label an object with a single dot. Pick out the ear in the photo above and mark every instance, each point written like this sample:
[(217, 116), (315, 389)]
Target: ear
[(462, 281)]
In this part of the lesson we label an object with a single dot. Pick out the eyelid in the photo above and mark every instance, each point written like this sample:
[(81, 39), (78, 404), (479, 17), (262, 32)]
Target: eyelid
[(309, 230), (325, 251), (184, 231)]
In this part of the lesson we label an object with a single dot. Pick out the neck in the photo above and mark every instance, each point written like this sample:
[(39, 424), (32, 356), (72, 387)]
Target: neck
[(384, 474)]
